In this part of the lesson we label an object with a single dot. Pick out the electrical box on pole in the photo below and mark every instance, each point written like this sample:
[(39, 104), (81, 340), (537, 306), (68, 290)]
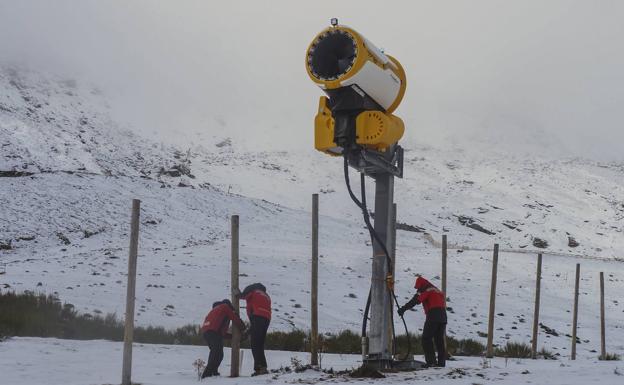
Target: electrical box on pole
[(363, 86)]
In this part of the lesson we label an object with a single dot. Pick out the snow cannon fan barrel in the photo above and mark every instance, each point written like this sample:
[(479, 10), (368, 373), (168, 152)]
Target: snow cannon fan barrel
[(363, 86)]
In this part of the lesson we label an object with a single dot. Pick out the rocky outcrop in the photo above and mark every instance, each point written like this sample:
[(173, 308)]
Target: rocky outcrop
[(471, 223)]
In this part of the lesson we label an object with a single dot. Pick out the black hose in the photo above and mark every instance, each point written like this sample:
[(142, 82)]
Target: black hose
[(359, 205), (362, 206), (366, 310), (346, 175), (374, 237), (369, 227)]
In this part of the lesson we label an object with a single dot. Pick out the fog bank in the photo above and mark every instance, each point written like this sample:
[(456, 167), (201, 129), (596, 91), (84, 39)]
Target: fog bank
[(531, 76)]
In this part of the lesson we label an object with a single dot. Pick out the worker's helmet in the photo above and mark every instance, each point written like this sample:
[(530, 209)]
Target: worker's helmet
[(421, 283), (253, 287)]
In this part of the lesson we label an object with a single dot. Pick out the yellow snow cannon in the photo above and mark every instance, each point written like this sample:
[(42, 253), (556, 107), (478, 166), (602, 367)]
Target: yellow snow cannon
[(363, 86)]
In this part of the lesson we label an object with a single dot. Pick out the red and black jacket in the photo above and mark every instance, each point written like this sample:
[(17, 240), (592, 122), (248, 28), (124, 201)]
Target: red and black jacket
[(218, 320), (258, 304), (258, 301), (432, 299)]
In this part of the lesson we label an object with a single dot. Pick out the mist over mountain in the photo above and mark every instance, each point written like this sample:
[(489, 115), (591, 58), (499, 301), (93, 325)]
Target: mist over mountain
[(530, 78)]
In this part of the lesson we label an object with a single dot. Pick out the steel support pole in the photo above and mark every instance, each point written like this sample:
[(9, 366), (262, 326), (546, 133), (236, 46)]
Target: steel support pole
[(380, 342), (392, 250)]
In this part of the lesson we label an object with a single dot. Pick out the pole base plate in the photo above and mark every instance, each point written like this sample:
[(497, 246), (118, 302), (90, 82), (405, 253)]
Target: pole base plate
[(384, 365), (408, 365)]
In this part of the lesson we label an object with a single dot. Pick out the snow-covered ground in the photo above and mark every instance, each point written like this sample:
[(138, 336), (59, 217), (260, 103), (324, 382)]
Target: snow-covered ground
[(65, 213), (25, 361)]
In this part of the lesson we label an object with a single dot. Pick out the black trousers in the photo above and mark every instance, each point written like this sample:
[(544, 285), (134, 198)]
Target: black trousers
[(257, 334), (215, 343), (434, 331)]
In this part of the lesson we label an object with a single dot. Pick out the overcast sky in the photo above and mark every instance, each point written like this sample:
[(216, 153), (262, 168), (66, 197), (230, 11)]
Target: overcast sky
[(539, 76)]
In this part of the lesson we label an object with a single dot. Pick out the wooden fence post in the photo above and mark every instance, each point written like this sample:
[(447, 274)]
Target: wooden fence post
[(538, 280), (575, 313), (603, 345), (126, 371), (444, 257), (314, 289), (236, 336), (490, 336)]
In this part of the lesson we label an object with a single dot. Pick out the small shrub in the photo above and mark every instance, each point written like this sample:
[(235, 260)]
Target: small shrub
[(546, 354), (454, 347), (514, 350), (345, 342), (293, 341), (465, 347), (611, 357), (415, 344), (298, 366), (188, 335), (199, 366)]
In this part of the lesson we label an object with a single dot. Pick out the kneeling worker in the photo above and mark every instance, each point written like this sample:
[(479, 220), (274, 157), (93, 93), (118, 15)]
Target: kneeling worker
[(434, 304), (215, 329), (259, 312)]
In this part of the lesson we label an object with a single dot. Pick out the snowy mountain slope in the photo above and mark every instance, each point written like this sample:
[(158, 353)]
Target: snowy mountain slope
[(184, 255), (66, 190), (576, 206), (52, 124)]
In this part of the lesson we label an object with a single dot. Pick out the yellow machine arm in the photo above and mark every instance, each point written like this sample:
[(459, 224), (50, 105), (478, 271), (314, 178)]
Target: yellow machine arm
[(374, 129)]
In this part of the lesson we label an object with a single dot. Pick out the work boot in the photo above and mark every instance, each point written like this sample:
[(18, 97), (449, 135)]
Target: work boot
[(209, 373), (260, 371)]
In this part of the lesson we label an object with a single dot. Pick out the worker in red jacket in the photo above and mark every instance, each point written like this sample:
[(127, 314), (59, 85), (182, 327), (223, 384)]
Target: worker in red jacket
[(215, 329), (259, 312), (434, 304)]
